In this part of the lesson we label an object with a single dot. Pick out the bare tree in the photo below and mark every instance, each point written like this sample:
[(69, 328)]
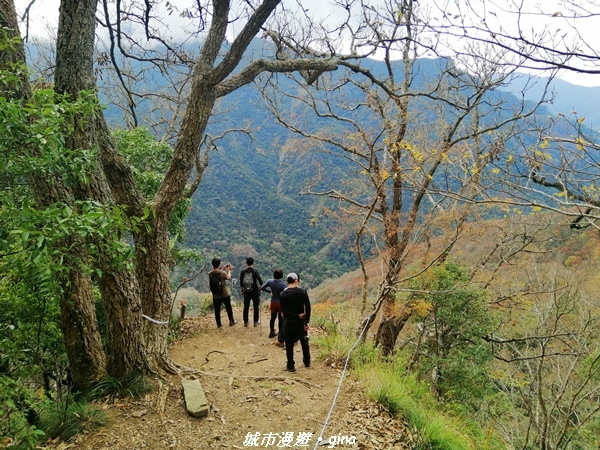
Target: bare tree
[(551, 369), (416, 138), (555, 165), (540, 37)]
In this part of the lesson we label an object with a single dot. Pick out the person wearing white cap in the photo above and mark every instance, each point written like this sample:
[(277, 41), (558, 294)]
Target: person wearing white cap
[(295, 305)]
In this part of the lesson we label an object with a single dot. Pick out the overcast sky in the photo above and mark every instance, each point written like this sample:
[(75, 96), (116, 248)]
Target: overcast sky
[(44, 15)]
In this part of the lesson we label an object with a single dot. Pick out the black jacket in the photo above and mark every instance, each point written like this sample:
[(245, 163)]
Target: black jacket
[(295, 301)]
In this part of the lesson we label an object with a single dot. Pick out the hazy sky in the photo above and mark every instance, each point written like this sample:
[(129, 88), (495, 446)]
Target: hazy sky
[(44, 14)]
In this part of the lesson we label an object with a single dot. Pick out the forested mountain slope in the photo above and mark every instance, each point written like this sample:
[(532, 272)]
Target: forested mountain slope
[(248, 202)]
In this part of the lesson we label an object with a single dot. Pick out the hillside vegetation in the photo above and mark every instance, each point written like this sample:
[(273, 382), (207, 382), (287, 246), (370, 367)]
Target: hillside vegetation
[(445, 224), (522, 356), (509, 320)]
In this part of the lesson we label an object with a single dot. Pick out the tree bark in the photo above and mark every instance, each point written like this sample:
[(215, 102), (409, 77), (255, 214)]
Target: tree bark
[(153, 273), (389, 328), (118, 286), (80, 331), (78, 319)]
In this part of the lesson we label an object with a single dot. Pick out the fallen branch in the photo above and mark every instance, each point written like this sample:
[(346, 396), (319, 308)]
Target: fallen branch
[(257, 361), (208, 354)]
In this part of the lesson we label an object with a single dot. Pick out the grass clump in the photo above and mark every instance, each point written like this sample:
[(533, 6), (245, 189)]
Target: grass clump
[(402, 394), (339, 342), (135, 386), (334, 349), (66, 419)]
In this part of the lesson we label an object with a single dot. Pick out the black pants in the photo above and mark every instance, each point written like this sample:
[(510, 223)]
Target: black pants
[(217, 302), (294, 332), (276, 314), (279, 317), (253, 296)]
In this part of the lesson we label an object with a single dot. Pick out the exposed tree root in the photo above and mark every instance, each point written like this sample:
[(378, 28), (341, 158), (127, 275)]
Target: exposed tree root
[(191, 371)]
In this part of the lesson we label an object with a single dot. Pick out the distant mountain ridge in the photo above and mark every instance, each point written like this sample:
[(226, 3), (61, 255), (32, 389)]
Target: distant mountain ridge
[(569, 98), (248, 203)]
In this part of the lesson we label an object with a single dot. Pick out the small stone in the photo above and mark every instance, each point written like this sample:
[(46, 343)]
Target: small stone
[(195, 400)]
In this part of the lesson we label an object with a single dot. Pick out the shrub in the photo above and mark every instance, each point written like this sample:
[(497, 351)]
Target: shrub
[(18, 416), (65, 419), (451, 352)]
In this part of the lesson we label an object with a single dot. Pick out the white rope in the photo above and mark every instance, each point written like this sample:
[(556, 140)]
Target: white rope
[(160, 322), (320, 438)]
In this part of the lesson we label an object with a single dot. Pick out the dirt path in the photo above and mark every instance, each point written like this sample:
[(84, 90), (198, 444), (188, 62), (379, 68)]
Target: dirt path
[(255, 403)]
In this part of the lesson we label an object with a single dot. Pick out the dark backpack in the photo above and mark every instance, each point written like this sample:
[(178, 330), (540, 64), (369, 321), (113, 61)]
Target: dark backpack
[(215, 282), (248, 280)]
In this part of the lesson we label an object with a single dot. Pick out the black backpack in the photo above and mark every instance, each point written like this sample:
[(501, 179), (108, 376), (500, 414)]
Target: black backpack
[(248, 281), (215, 282)]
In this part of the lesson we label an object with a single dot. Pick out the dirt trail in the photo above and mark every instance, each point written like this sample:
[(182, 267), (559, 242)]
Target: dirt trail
[(255, 403)]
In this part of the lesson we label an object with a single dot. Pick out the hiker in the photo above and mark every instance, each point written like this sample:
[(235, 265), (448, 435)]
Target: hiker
[(250, 280), (275, 286), (295, 305), (217, 278)]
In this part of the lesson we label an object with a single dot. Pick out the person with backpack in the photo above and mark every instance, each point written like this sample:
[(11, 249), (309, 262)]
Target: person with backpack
[(250, 281), (275, 286), (217, 281)]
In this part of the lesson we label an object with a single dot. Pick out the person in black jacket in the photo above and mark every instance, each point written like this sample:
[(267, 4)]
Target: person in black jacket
[(250, 281), (295, 305)]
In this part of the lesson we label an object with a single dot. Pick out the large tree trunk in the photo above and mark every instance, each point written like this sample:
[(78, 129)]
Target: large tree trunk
[(78, 320), (80, 330), (153, 257), (153, 260), (118, 285), (393, 315), (9, 56), (74, 50), (125, 350), (389, 328)]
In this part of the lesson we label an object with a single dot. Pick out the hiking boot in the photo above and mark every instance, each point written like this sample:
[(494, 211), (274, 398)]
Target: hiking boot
[(232, 322), (307, 364), (279, 344), (290, 369), (272, 334), (256, 323), (245, 324)]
